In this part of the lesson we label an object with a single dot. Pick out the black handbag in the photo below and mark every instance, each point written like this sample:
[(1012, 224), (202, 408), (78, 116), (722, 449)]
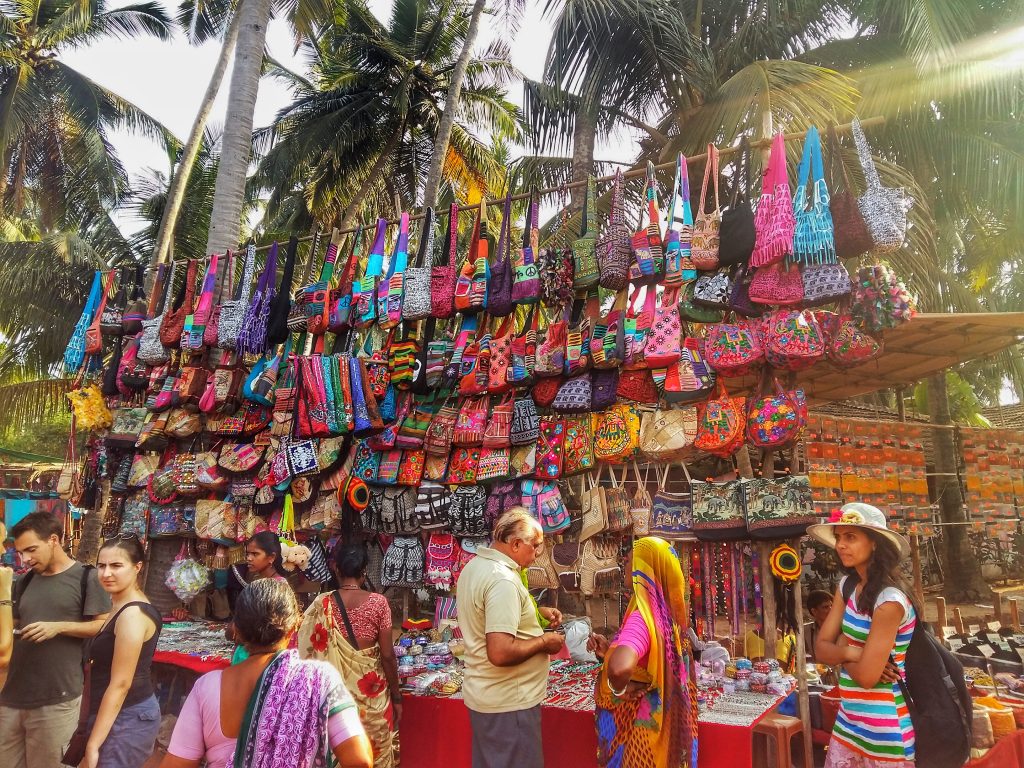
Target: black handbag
[(736, 233), (280, 307)]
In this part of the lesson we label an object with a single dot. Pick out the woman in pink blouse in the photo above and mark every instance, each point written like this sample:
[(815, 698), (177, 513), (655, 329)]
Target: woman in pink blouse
[(351, 628)]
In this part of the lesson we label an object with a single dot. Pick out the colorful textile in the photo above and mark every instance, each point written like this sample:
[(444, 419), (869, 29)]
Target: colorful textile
[(875, 722), (323, 636), (659, 730), (285, 722)]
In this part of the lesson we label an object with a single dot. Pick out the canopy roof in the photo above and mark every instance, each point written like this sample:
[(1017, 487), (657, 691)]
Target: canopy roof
[(914, 351)]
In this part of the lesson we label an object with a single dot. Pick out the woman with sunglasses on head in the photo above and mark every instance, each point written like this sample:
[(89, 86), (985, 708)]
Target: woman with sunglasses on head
[(124, 716), (867, 632)]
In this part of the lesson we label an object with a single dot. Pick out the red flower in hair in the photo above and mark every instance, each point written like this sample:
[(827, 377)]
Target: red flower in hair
[(371, 684)]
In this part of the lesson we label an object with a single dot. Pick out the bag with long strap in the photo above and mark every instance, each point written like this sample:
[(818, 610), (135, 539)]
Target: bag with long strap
[(737, 233), (280, 304), (364, 290), (443, 277), (74, 354), (813, 239), (232, 313), (648, 253), (416, 302), (707, 224), (173, 321), (391, 289), (850, 232), (525, 272), (252, 338), (774, 222), (679, 266), (884, 208), (193, 336), (499, 284), (613, 254), (584, 252)]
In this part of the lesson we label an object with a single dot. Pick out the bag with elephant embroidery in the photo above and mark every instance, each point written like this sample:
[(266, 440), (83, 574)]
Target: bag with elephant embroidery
[(778, 508), (718, 510)]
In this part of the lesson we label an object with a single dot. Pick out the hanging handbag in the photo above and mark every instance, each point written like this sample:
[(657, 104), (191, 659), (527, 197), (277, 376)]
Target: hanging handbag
[(525, 272), (390, 290), (613, 252), (440, 433), (813, 239), (737, 232), (671, 513), (584, 252), (136, 308), (648, 264), (364, 290), (793, 340), (467, 511), (471, 422), (280, 306), (577, 337), (433, 506), (739, 299), (734, 349), (233, 312), (416, 303), (252, 339), (493, 464), (778, 284), (112, 316), (544, 501), (593, 512), (151, 351), (444, 277), (604, 389), (641, 505), (94, 333), (174, 320), (315, 316), (637, 386), (403, 563), (616, 504), (471, 287), (848, 346), (549, 448), (713, 291), (668, 435), (824, 283), (617, 433), (851, 233), (776, 421), (499, 358), (707, 224), (340, 316), (780, 508), (880, 300), (679, 266), (501, 497), (525, 421), (884, 208), (578, 445), (499, 426), (690, 310), (193, 336), (691, 378), (774, 222), (637, 328), (402, 362), (721, 428), (718, 511), (551, 344), (662, 348), (607, 337), (499, 284), (523, 352)]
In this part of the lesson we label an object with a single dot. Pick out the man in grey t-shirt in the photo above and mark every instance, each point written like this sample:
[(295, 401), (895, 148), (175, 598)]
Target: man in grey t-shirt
[(59, 606)]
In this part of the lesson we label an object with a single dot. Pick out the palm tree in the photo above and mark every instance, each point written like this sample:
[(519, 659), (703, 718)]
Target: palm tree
[(56, 161), (367, 116)]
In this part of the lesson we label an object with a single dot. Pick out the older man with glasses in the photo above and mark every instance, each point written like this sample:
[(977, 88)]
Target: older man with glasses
[(506, 648)]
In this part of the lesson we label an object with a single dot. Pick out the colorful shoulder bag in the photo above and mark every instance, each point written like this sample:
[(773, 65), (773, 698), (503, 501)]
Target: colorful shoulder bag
[(444, 277), (707, 224), (774, 221), (525, 274)]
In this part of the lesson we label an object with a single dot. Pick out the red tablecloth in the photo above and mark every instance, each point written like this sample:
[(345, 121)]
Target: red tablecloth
[(435, 734), (200, 664), (1008, 753)]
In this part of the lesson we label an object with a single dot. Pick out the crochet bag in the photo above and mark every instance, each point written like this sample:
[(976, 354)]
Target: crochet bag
[(467, 511), (722, 424), (578, 446), (416, 303), (679, 266), (813, 239), (778, 508), (232, 312), (549, 448), (884, 208), (848, 345), (737, 232), (778, 284), (525, 272), (443, 277), (525, 421), (774, 221), (691, 378), (584, 252), (734, 349), (403, 563), (662, 347), (718, 511), (613, 253), (776, 421), (850, 232), (499, 285), (792, 339), (824, 283), (707, 224), (617, 433), (668, 435)]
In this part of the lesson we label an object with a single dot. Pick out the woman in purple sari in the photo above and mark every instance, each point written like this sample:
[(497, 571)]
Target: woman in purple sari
[(273, 709)]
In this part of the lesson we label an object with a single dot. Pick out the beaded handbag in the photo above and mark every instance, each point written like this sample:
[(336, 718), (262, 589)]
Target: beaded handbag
[(884, 208)]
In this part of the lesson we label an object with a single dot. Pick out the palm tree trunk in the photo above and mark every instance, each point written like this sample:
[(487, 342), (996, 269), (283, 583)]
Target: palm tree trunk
[(92, 527), (451, 104), (584, 137), (236, 145), (963, 580), (176, 193)]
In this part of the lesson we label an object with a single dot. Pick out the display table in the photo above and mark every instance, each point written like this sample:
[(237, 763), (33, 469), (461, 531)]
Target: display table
[(435, 733), (1007, 753), (198, 664)]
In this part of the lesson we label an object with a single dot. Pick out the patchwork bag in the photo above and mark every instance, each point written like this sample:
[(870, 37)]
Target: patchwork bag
[(403, 563), (471, 286), (679, 266), (499, 285), (617, 433), (551, 356), (668, 435), (525, 272), (691, 378), (471, 422), (884, 208), (390, 290), (774, 222), (314, 314), (498, 432), (607, 337), (780, 508), (544, 501), (584, 252), (339, 313), (416, 304), (737, 231), (851, 233), (467, 511), (706, 225), (722, 424), (364, 290), (776, 420), (734, 349), (648, 264), (523, 352), (793, 340), (718, 510), (577, 338), (443, 277), (613, 252), (499, 359), (637, 328)]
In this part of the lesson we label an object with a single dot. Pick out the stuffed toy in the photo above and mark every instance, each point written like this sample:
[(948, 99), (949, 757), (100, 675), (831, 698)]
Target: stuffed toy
[(295, 558)]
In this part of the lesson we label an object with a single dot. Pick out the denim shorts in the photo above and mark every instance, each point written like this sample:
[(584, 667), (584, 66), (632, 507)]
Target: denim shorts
[(132, 737)]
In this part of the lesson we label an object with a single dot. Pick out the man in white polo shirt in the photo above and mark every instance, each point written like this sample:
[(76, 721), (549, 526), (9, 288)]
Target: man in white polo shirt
[(506, 648)]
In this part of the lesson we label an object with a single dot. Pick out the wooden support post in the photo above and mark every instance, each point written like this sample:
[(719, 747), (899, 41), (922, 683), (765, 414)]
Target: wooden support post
[(997, 601), (915, 555), (940, 611), (958, 622), (803, 695), (1015, 613)]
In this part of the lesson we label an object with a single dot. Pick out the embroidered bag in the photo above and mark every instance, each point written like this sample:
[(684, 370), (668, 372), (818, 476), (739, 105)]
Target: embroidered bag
[(616, 433), (777, 284), (671, 513), (136, 309), (880, 300), (737, 232), (884, 208), (499, 285), (467, 511), (648, 255), (549, 448), (734, 349), (416, 304), (813, 240), (575, 395), (232, 312), (722, 424), (545, 391), (780, 508), (668, 435), (774, 222), (443, 277), (499, 425), (438, 439), (613, 252), (523, 352), (776, 420), (584, 253), (850, 232), (525, 274), (471, 422), (792, 339), (551, 349), (578, 446), (499, 358), (525, 421), (493, 464), (824, 283), (718, 510), (523, 460), (706, 225), (252, 338), (471, 288), (662, 348), (604, 386), (848, 346), (365, 462)]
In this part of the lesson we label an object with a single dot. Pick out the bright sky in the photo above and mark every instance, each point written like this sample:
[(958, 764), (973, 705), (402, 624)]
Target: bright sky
[(168, 80)]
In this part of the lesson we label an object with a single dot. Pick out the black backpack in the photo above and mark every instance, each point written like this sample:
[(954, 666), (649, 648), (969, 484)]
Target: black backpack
[(936, 695)]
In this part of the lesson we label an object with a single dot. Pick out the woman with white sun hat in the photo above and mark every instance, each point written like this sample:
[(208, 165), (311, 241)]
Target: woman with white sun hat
[(867, 633)]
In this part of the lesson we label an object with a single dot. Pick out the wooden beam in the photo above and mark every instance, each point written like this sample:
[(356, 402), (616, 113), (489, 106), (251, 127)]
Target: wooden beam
[(940, 611)]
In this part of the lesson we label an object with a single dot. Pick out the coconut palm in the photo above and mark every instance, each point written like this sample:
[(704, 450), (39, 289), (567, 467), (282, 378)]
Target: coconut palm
[(363, 123)]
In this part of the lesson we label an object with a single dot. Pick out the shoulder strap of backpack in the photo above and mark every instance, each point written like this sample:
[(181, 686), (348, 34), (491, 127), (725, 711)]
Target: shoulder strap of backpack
[(84, 586), (849, 587), (22, 585)]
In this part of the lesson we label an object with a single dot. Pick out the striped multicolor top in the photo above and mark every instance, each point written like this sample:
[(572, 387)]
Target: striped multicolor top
[(875, 721)]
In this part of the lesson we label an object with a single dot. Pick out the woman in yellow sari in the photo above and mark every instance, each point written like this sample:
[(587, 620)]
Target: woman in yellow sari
[(646, 695), (351, 629)]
